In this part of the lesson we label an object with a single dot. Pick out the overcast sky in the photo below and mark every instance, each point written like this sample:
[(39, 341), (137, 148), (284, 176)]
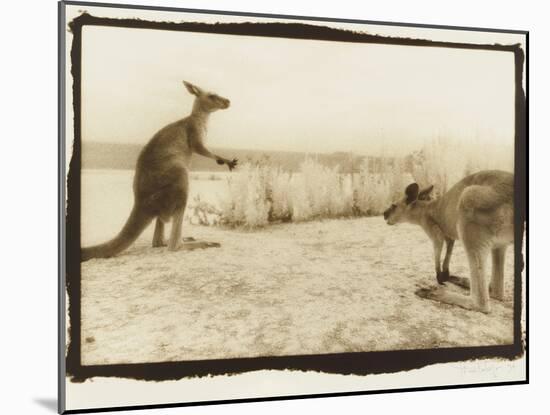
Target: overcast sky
[(294, 95)]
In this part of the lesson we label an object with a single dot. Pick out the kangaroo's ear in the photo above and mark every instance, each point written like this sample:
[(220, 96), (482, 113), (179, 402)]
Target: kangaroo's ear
[(195, 90), (424, 194), (412, 192)]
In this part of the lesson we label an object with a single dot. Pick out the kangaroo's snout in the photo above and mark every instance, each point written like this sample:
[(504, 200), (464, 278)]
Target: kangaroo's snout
[(226, 103)]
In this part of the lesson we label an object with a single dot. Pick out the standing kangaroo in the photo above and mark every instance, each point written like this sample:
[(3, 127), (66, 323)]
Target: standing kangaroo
[(161, 180), (478, 210)]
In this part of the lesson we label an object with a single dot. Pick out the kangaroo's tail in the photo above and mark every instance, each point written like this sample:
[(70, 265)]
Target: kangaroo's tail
[(134, 226)]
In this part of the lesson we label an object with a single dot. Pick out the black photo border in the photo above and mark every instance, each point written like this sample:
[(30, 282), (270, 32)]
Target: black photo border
[(359, 363)]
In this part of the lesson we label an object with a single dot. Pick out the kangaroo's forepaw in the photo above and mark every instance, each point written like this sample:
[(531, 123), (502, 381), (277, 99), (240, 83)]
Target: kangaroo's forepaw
[(232, 164), (442, 277)]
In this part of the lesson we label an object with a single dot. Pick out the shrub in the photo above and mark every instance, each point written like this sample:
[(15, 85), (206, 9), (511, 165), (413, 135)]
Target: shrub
[(261, 193), (202, 213), (444, 161)]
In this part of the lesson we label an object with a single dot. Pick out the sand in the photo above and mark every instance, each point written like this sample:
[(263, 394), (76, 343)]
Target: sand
[(291, 289)]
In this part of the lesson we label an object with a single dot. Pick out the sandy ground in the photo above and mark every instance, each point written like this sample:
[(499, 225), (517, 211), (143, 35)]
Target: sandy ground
[(322, 287), (318, 287)]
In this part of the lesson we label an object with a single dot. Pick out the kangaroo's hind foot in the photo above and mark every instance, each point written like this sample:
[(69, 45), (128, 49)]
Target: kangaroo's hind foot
[(194, 244), (443, 295)]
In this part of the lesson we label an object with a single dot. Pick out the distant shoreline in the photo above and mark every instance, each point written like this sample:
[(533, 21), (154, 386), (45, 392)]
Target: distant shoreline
[(117, 156)]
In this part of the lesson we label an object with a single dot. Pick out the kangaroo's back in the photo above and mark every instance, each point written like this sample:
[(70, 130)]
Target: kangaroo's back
[(494, 188), (488, 203), (478, 193)]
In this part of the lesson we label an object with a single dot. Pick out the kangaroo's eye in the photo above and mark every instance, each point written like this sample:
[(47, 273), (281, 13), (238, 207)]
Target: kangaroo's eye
[(393, 206), (212, 96)]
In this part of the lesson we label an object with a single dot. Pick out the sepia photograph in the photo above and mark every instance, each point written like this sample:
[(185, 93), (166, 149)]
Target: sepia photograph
[(244, 193)]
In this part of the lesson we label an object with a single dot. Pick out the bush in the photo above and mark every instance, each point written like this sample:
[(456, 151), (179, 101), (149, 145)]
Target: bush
[(247, 197), (202, 213), (444, 161), (261, 193)]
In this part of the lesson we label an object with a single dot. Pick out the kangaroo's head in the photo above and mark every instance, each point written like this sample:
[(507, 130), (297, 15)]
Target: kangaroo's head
[(410, 206), (206, 101)]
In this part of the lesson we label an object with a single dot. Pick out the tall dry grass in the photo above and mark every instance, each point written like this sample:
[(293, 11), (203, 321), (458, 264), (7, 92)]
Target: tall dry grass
[(259, 194), (444, 161), (262, 193)]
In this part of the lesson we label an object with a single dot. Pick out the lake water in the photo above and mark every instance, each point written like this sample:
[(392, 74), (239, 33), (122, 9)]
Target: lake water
[(107, 198)]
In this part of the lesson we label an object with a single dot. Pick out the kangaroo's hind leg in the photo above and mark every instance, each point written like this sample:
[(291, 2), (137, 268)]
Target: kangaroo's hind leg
[(180, 194), (158, 236), (477, 244), (497, 280), (175, 236), (479, 283)]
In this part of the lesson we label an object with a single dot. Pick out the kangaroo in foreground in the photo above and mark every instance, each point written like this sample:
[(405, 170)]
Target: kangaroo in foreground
[(478, 210), (161, 180)]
